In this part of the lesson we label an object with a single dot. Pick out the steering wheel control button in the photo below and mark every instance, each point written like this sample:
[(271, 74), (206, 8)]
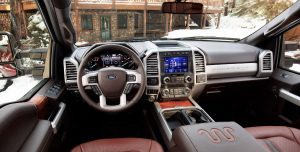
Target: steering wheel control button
[(96, 90), (128, 88), (131, 78), (93, 79)]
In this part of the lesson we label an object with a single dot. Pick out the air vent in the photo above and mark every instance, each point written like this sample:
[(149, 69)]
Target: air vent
[(71, 71), (199, 62), (267, 62), (152, 64)]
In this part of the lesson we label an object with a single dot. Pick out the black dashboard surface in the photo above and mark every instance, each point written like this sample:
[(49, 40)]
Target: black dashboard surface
[(215, 52)]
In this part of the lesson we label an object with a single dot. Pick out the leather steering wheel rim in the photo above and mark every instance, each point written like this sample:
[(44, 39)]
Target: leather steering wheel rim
[(104, 48)]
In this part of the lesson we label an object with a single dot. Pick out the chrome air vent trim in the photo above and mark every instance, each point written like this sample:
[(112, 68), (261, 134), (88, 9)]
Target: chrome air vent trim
[(265, 63), (152, 65), (70, 70), (199, 62)]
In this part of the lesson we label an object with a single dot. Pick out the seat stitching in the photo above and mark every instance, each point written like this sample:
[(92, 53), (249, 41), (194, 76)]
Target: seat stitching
[(81, 148), (294, 135), (270, 145), (150, 146)]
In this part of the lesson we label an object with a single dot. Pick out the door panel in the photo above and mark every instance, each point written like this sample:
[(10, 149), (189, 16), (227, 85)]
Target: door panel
[(31, 125), (21, 130)]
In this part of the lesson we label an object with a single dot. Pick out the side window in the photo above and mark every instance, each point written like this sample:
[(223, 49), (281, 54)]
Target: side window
[(122, 21), (87, 22), (290, 58), (30, 58)]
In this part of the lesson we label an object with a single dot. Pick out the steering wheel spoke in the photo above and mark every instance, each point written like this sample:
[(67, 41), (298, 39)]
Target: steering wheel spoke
[(103, 103), (133, 78), (90, 79)]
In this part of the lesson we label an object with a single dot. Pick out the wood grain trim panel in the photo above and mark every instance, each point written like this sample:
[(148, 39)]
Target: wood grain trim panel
[(174, 104), (39, 101)]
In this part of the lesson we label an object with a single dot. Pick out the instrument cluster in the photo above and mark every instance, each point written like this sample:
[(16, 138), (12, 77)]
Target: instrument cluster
[(108, 60)]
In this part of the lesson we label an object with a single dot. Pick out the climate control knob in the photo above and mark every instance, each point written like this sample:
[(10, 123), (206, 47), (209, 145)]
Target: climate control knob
[(167, 79), (187, 90), (188, 79), (165, 92)]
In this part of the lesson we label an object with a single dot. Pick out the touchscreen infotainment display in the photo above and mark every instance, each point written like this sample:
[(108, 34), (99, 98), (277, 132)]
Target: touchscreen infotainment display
[(176, 64)]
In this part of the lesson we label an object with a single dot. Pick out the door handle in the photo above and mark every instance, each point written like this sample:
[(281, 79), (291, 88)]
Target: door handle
[(295, 99)]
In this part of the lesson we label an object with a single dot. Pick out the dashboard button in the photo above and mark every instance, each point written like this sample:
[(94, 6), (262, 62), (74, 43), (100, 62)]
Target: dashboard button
[(131, 78), (188, 79), (93, 79), (167, 79)]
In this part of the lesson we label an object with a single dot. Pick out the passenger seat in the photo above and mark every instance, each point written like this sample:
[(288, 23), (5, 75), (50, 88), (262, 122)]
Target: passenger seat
[(277, 138)]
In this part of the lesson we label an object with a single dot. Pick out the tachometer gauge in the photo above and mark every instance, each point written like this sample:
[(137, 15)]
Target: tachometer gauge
[(93, 64)]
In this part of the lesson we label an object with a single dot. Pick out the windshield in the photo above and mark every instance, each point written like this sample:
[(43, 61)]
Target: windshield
[(134, 20)]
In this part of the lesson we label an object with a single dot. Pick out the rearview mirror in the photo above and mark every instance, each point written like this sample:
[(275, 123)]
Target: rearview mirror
[(7, 66), (182, 8)]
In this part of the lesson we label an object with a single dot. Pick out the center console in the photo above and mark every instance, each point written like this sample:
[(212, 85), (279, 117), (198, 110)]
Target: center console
[(176, 74), (176, 113), (174, 71)]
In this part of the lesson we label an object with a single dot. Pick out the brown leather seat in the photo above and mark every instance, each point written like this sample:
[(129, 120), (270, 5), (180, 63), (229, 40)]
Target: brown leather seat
[(119, 145), (277, 138)]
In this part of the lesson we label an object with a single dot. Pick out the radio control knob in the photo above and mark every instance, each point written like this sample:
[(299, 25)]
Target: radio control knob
[(188, 79), (165, 92), (187, 90), (167, 79)]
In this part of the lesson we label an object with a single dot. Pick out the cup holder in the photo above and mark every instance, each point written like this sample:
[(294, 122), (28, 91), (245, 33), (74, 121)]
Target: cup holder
[(179, 117)]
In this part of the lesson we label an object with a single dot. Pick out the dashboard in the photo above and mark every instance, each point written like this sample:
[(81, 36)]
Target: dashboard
[(179, 69)]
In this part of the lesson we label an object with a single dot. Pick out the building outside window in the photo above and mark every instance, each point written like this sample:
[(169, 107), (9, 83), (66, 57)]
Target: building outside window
[(87, 22), (122, 21)]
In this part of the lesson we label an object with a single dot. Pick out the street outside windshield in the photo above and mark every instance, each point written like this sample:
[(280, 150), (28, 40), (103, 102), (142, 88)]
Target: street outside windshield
[(132, 20)]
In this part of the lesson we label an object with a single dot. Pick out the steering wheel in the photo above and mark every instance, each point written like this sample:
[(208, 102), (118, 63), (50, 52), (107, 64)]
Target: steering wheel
[(111, 82)]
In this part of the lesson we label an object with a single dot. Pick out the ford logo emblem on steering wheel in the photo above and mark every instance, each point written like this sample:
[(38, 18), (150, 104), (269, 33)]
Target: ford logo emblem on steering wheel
[(111, 76)]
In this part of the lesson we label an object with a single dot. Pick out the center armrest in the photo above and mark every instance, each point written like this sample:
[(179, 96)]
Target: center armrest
[(214, 137)]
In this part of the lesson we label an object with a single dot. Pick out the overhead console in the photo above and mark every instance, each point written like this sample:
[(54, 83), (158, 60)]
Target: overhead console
[(173, 69)]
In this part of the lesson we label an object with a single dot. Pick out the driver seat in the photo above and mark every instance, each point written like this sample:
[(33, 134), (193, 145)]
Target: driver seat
[(119, 145)]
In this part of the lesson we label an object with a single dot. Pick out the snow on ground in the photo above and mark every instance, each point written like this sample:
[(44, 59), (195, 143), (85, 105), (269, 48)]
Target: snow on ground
[(295, 67), (21, 85), (4, 40), (230, 26)]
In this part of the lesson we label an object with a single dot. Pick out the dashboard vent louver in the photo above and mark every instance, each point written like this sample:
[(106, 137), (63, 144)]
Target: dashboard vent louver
[(152, 64), (199, 62), (71, 71), (267, 63)]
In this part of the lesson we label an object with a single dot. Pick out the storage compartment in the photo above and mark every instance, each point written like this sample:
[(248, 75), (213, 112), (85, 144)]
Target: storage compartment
[(214, 137), (178, 117), (176, 113)]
